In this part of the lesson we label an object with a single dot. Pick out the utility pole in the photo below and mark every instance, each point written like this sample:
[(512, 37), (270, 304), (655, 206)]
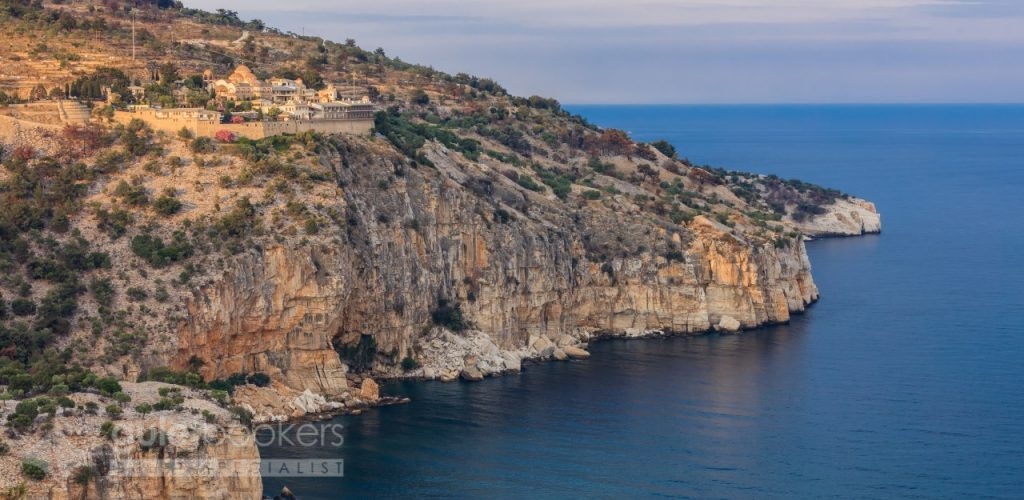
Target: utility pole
[(133, 34)]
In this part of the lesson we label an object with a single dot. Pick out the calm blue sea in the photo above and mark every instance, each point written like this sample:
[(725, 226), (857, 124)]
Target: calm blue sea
[(906, 380)]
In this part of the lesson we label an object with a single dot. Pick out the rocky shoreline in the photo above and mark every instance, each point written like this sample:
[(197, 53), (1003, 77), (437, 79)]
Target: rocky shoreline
[(474, 355), (481, 365)]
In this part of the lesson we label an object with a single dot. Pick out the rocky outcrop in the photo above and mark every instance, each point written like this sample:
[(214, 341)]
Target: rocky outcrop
[(134, 462), (845, 217), (280, 403), (728, 324), (369, 390)]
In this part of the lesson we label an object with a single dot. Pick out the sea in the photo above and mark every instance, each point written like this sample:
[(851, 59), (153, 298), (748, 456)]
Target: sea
[(906, 380)]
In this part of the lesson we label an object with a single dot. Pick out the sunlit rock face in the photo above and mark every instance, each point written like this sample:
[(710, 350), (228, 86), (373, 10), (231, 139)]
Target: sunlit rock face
[(548, 271)]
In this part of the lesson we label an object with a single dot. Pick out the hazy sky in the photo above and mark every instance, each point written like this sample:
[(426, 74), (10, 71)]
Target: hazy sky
[(690, 51)]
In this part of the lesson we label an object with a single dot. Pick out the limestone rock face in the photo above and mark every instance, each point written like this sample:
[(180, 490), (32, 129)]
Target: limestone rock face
[(472, 373), (279, 402), (272, 314), (728, 324), (846, 217), (307, 403), (369, 391), (575, 352), (282, 310), (544, 279)]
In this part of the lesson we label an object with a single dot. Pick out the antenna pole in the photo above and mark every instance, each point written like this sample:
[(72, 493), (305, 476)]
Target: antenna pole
[(133, 34)]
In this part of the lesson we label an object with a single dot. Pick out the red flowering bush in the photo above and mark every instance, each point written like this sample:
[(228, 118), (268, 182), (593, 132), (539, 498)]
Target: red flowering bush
[(224, 136)]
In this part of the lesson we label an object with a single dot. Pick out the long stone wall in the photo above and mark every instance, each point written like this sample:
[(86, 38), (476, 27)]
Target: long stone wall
[(259, 130), (251, 130), (10, 127)]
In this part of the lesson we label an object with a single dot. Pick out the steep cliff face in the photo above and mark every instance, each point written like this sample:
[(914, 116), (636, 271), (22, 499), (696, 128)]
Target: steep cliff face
[(272, 312), (434, 237)]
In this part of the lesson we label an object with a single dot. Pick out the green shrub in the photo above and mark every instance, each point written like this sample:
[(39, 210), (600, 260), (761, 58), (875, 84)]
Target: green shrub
[(409, 363), (153, 167), (311, 226), (601, 167), (110, 161), (665, 147), (166, 205), (560, 184), (220, 396), (114, 223), (28, 408), (23, 307), (161, 294), (359, 357), (61, 390), (449, 316), (420, 97), (258, 379), (103, 291), (108, 429), (34, 469), (239, 221), (114, 411), (164, 374), (136, 294), (244, 416), (152, 249), (527, 182), (108, 386), (132, 194), (46, 405), (152, 438), (19, 422), (591, 194), (82, 474), (170, 402), (4, 448), (201, 145)]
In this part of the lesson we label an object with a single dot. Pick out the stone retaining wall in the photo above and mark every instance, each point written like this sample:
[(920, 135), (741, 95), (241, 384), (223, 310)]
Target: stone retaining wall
[(251, 130)]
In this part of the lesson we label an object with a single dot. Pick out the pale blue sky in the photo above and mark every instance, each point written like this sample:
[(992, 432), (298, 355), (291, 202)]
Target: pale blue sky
[(691, 51)]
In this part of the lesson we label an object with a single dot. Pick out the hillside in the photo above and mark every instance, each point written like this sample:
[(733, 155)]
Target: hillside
[(470, 232)]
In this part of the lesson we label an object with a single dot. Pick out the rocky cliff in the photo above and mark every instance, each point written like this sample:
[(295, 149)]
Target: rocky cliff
[(542, 271), (846, 217), (472, 230), (134, 460)]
